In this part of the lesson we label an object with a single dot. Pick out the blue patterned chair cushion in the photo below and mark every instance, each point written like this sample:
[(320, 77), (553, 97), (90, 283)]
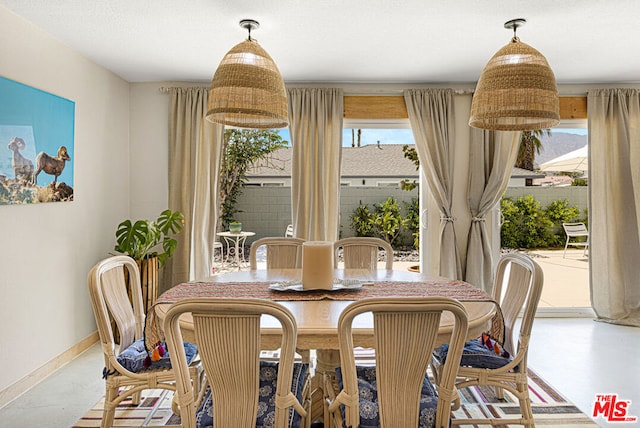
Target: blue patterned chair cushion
[(367, 390), (475, 354), (266, 397), (133, 357)]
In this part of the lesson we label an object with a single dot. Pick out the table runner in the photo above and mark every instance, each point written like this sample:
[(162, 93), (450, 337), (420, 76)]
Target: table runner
[(435, 288)]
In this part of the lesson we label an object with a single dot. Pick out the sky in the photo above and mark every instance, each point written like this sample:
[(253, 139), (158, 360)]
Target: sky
[(399, 136), (368, 136)]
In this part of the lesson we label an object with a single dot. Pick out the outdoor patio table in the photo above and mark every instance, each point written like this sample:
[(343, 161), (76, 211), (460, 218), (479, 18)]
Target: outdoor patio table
[(237, 240)]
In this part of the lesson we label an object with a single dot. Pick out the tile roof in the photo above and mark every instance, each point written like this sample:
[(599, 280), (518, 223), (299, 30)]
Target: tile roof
[(371, 160), (386, 160)]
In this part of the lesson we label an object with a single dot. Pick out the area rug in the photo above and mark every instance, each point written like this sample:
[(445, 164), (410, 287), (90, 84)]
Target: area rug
[(550, 408)]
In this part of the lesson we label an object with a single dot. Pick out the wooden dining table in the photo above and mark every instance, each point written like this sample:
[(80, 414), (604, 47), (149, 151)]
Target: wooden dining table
[(317, 312)]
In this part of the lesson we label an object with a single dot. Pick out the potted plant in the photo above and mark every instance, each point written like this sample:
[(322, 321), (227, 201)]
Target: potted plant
[(150, 244), (235, 227)]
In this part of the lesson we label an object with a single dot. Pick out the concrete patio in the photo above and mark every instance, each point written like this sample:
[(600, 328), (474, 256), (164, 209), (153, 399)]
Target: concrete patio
[(566, 280)]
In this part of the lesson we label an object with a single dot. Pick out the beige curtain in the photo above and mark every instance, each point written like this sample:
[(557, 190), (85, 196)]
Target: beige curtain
[(492, 155), (432, 122), (315, 117), (194, 163), (614, 204)]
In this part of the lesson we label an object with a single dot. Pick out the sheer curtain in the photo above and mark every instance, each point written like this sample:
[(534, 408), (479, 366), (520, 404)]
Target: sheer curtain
[(614, 204), (492, 155), (432, 122), (194, 164), (315, 117)]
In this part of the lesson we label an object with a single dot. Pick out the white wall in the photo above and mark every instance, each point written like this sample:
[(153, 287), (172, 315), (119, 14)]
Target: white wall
[(47, 250), (149, 147)]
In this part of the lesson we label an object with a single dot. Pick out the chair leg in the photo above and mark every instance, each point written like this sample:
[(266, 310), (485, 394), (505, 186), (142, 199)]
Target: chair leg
[(565, 248), (525, 405), (456, 402), (135, 398), (109, 410)]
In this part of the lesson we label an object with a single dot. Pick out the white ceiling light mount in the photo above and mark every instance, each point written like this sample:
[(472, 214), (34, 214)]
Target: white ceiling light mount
[(247, 90), (517, 89)]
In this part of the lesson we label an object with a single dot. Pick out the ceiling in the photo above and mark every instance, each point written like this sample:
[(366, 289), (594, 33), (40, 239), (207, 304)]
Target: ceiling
[(363, 41)]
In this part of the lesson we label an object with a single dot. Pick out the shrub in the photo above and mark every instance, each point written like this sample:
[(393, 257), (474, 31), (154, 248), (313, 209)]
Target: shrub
[(413, 220), (387, 220), (526, 224), (361, 221), (560, 212), (580, 182)]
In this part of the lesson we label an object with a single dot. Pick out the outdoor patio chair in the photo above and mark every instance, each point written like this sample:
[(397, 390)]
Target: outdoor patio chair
[(396, 392), (242, 390), (128, 367), (282, 253), (217, 245), (579, 232), (486, 361), (289, 232)]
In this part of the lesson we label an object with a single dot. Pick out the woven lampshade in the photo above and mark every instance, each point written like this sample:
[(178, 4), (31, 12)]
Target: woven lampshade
[(516, 91), (247, 90)]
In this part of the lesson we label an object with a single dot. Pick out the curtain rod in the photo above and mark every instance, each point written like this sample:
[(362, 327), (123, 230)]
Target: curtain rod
[(165, 89), (169, 88)]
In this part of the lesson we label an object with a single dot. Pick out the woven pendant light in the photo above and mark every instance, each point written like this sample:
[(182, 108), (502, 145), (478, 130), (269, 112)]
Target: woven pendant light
[(247, 90), (517, 90)]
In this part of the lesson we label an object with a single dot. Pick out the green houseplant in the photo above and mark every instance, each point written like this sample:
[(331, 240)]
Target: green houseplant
[(150, 244), (146, 238)]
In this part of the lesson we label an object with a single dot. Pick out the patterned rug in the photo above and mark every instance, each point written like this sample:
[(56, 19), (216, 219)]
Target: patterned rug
[(550, 408)]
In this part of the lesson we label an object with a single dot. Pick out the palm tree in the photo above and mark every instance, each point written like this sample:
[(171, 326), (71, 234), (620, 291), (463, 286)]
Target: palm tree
[(530, 146)]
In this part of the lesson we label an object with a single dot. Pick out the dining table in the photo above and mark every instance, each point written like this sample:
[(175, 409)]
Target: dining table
[(317, 311)]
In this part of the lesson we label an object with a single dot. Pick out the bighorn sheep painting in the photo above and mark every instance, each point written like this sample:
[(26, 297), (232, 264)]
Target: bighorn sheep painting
[(22, 167), (51, 165), (36, 145)]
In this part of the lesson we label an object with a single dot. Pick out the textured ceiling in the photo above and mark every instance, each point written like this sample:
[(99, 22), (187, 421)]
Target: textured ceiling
[(367, 41)]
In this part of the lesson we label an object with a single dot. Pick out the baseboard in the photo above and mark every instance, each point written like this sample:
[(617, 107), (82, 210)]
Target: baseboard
[(565, 313), (13, 391)]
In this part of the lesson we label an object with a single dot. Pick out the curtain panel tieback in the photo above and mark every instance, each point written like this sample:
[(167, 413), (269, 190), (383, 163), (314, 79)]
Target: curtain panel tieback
[(478, 219), (451, 219)]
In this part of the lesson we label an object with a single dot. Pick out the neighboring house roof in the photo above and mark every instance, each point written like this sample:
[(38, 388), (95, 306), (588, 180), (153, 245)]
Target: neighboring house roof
[(387, 160), (371, 160), (553, 180), (525, 173)]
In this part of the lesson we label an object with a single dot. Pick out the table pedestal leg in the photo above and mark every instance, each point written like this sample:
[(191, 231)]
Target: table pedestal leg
[(326, 363)]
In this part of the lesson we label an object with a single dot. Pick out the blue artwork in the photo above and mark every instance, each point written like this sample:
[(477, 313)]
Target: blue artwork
[(36, 145)]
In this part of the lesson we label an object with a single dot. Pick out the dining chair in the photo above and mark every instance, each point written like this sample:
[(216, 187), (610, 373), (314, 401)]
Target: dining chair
[(129, 368), (242, 391), (577, 236), (486, 361), (282, 253), (362, 252), (396, 392)]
